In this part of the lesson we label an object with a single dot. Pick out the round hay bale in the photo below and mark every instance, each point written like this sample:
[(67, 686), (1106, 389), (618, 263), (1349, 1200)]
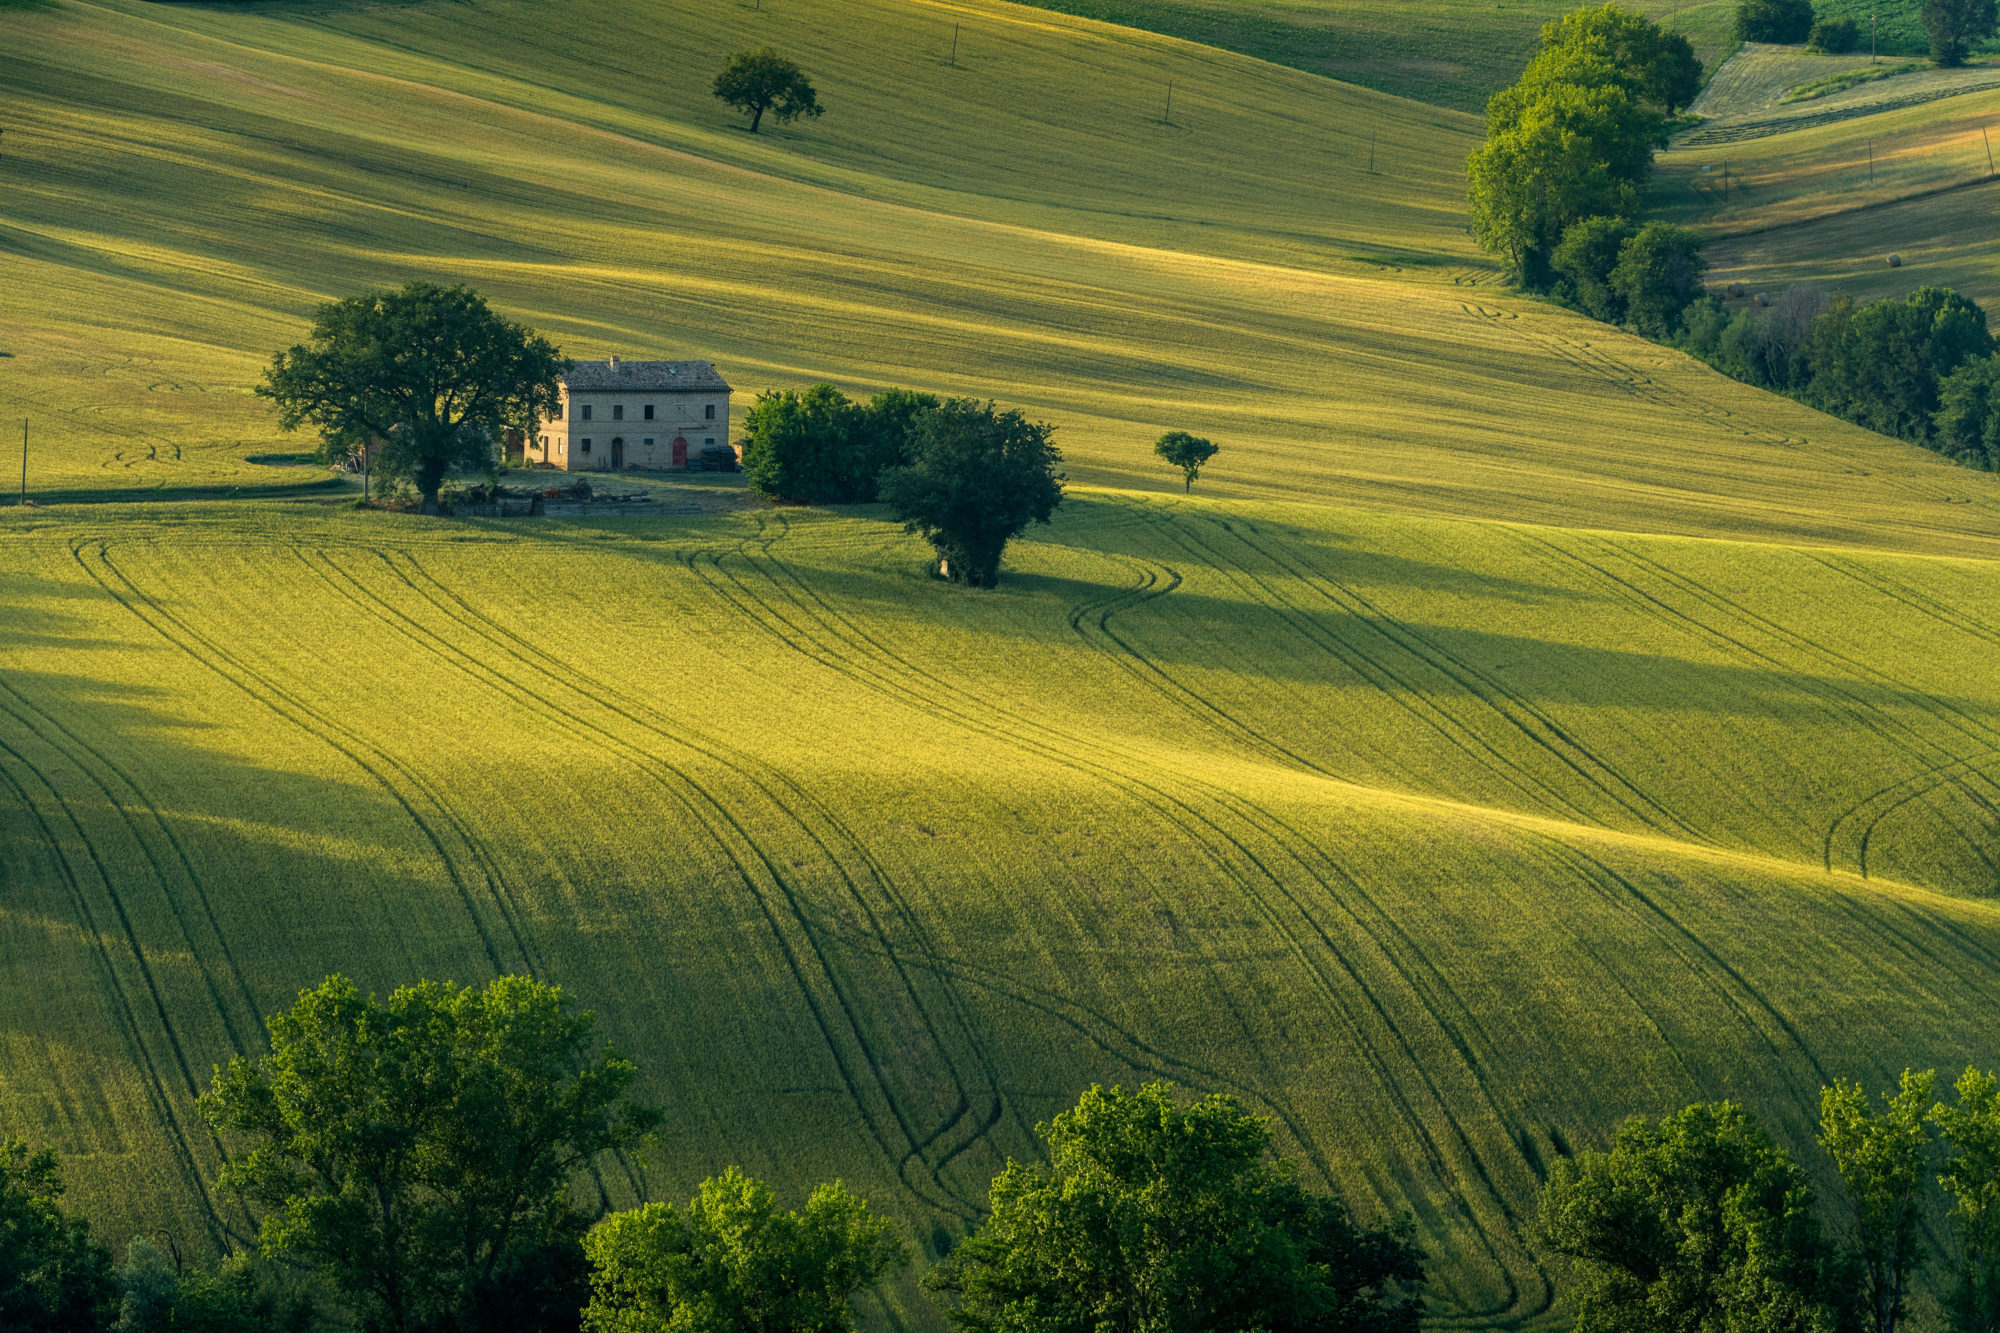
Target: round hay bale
[(1895, 261), (1736, 289), (1760, 300)]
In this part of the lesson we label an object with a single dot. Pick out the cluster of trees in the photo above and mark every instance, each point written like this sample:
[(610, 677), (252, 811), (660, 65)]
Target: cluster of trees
[(969, 476), (418, 1165), (1924, 368), (1700, 1221), (1574, 137), (1952, 25)]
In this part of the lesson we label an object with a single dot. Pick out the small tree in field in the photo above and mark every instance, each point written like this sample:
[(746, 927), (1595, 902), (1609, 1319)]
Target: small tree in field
[(762, 80), (1954, 25), (1186, 452), (732, 1261), (429, 371), (977, 478), (421, 1151)]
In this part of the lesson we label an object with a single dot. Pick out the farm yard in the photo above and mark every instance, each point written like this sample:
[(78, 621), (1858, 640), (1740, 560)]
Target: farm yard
[(1520, 726)]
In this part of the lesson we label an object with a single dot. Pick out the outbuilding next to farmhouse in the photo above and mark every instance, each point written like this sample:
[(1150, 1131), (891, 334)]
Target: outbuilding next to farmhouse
[(646, 415)]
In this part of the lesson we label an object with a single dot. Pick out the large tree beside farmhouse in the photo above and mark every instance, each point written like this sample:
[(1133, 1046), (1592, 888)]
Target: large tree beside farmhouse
[(429, 372), (977, 478)]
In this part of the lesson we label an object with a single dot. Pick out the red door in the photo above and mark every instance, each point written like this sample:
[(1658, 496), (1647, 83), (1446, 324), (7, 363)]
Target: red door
[(680, 451)]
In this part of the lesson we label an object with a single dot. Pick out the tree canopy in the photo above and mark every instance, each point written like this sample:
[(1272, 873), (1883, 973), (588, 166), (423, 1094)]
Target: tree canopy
[(1882, 364), (733, 1261), (755, 82), (1186, 452), (820, 447), (976, 479), (1954, 25), (1786, 22), (53, 1277), (420, 1151), (1658, 275), (1696, 1223), (1155, 1216), (429, 372)]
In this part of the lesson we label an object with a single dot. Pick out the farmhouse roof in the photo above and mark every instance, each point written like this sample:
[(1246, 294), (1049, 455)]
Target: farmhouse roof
[(644, 376)]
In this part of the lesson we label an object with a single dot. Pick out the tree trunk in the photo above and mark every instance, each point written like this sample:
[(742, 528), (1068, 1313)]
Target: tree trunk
[(431, 503), (756, 118)]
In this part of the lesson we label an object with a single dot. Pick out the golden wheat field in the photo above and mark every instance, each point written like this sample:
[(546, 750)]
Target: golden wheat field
[(1519, 727)]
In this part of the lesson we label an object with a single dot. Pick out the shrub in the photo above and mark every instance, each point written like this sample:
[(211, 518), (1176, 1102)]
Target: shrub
[(1787, 22), (1584, 261), (1835, 36), (1659, 273), (1880, 364), (977, 477), (819, 447)]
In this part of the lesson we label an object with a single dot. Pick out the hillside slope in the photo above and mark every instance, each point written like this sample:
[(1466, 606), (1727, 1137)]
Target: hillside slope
[(1523, 727)]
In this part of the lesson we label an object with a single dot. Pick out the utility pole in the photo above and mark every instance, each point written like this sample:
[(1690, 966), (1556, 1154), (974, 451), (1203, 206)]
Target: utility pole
[(1871, 161), (1871, 36), (953, 62), (24, 460), (1169, 117), (1371, 152), (1989, 151)]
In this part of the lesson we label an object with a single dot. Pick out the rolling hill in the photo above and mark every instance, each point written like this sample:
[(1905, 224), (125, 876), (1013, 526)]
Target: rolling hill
[(1522, 726)]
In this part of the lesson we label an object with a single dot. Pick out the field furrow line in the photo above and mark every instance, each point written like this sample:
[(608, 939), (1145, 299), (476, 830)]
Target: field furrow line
[(122, 1003), (739, 846)]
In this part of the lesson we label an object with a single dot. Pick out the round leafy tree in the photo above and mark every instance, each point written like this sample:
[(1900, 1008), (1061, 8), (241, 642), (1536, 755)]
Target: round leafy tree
[(755, 82), (1186, 452), (977, 478)]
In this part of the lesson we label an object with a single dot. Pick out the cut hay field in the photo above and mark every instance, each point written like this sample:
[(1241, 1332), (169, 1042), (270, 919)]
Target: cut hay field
[(1521, 727)]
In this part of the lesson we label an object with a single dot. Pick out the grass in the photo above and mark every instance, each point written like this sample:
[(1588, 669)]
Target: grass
[(1454, 53), (1523, 727), (1852, 78)]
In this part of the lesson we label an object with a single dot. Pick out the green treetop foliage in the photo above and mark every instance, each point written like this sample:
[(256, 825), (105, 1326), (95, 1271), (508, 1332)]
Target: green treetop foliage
[(1968, 415), (1661, 66), (755, 82), (1884, 1161), (820, 447), (421, 1151), (1583, 263), (1787, 22), (1970, 1128), (1696, 1223), (1160, 1217), (977, 478), (1882, 364), (161, 1295), (733, 1261), (53, 1277), (1186, 452), (1658, 274), (1954, 25), (430, 372), (1575, 135)]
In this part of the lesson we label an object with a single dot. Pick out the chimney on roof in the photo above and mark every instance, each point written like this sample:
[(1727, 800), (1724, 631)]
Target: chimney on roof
[(614, 363)]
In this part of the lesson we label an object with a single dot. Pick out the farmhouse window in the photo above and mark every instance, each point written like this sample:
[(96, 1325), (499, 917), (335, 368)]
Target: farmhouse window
[(708, 439), (586, 446), (586, 411), (559, 413), (649, 441), (618, 411), (649, 411), (709, 411)]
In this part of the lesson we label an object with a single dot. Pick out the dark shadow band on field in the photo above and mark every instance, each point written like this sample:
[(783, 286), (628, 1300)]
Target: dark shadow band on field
[(94, 495)]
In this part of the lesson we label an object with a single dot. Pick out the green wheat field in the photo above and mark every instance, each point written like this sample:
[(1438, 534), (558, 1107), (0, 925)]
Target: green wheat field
[(1520, 727)]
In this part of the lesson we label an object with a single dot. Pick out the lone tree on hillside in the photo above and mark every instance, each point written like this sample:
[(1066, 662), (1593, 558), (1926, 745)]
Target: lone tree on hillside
[(1154, 1215), (1186, 452), (429, 371), (1954, 25), (421, 1151), (762, 80), (977, 477)]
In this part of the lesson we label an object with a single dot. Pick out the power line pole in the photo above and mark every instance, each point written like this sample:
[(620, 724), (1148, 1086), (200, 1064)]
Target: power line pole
[(1371, 152), (953, 62), (1989, 151), (24, 460), (1169, 117), (1871, 161)]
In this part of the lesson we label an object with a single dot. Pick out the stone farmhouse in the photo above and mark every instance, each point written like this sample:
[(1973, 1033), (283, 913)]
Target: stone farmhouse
[(648, 415)]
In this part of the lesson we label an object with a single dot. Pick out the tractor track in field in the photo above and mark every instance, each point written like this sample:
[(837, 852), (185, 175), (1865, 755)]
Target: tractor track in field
[(287, 705), (1931, 754), (1514, 709), (123, 1005), (711, 812), (863, 662)]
